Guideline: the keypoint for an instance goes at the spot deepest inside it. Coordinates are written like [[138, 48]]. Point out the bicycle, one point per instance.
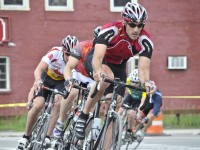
[[65, 142], [92, 132], [40, 128], [135, 138], [112, 119]]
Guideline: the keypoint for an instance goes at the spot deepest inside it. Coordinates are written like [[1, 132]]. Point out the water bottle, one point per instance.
[[76, 116], [96, 128]]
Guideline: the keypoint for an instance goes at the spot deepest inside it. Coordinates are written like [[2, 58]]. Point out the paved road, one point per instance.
[[174, 142]]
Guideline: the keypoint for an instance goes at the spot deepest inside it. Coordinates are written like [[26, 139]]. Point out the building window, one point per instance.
[[14, 5], [59, 5], [132, 64], [177, 62], [118, 5], [4, 74]]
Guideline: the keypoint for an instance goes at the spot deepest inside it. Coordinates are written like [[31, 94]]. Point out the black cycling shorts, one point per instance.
[[130, 101], [119, 71], [49, 82], [147, 106]]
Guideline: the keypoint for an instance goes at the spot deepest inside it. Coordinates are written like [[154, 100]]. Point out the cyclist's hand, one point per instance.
[[150, 87], [98, 76], [37, 85], [69, 83]]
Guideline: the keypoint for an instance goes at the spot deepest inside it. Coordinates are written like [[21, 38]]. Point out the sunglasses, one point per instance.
[[132, 25], [67, 53], [135, 82]]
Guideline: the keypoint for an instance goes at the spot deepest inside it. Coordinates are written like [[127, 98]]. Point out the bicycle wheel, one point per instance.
[[34, 133], [68, 133], [42, 131], [135, 139], [112, 135], [89, 140]]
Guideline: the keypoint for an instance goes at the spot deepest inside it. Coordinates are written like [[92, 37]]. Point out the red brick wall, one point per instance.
[[174, 26]]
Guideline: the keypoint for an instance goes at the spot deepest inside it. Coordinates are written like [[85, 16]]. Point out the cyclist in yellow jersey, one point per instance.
[[141, 105], [132, 99]]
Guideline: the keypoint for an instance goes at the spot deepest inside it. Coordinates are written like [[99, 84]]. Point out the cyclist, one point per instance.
[[115, 44], [50, 72], [134, 100], [151, 108], [74, 69]]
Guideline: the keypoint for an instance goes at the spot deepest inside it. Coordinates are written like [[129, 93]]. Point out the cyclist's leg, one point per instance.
[[32, 116], [65, 106], [81, 122], [31, 94], [54, 116], [33, 113]]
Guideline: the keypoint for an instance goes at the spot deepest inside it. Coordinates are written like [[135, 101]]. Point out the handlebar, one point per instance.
[[55, 91], [117, 81], [114, 81], [73, 85]]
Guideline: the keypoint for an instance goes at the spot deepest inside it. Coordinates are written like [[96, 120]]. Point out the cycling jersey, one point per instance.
[[55, 60], [119, 46], [80, 52], [136, 95]]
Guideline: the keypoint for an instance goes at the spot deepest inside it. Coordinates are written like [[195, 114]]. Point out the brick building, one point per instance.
[[28, 29]]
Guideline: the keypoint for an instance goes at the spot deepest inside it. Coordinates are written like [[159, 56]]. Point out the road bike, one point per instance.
[[112, 125], [41, 126]]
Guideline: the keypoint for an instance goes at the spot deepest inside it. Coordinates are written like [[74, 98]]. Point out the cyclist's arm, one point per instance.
[[71, 64], [144, 95], [144, 69], [39, 70], [98, 56]]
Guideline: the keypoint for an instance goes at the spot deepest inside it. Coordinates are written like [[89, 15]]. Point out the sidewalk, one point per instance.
[[182, 131], [165, 132]]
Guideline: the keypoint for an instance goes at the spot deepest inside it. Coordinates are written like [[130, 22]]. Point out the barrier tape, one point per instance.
[[170, 97], [13, 105], [176, 97]]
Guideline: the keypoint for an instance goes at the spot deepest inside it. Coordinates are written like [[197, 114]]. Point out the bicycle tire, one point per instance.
[[115, 122], [134, 142], [68, 138], [34, 133], [44, 125], [89, 141]]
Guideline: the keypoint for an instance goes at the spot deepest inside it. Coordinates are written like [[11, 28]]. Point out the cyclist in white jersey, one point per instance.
[[50, 72]]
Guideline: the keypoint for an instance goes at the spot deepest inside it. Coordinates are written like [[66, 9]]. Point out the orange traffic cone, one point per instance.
[[157, 126]]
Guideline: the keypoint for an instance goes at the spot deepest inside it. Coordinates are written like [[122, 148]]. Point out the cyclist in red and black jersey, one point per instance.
[[115, 44]]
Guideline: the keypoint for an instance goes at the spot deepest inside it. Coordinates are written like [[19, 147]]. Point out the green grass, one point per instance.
[[16, 123], [186, 121]]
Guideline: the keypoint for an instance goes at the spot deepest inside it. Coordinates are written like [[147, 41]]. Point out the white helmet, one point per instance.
[[134, 76], [134, 13], [69, 43]]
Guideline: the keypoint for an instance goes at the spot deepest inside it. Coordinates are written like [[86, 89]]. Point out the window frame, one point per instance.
[[117, 9], [69, 7], [7, 79], [131, 64], [24, 7], [177, 66]]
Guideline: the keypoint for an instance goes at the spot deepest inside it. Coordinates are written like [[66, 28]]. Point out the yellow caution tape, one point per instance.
[[13, 105], [170, 97], [191, 97]]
